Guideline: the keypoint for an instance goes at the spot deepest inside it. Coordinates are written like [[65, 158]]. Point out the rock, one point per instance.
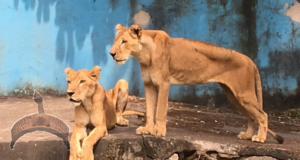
[[174, 157], [122, 143], [258, 158]]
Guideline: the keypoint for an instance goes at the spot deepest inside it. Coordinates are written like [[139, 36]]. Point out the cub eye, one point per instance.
[[68, 81], [123, 41], [82, 81]]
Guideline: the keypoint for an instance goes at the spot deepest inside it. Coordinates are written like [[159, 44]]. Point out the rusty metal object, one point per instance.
[[39, 122]]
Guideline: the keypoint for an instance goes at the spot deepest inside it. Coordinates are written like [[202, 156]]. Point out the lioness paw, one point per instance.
[[122, 122], [257, 138], [87, 153], [244, 135], [72, 156], [159, 131], [143, 130], [75, 152], [79, 154]]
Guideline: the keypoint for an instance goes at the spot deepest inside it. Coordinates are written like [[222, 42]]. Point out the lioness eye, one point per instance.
[[124, 41], [68, 81], [82, 81]]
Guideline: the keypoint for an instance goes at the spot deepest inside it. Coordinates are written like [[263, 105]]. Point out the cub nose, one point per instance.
[[70, 93], [112, 54]]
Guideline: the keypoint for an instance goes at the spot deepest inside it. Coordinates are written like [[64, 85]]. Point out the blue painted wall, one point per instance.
[[39, 39]]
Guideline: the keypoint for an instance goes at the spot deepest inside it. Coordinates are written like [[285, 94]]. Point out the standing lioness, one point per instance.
[[95, 106], [165, 61]]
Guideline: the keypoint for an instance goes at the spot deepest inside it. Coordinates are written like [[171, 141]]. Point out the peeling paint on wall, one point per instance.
[[142, 19], [163, 12], [294, 12]]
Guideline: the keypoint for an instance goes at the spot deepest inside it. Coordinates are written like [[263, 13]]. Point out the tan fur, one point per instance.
[[95, 106], [166, 61]]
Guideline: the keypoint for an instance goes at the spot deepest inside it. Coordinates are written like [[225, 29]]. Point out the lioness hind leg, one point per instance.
[[251, 122], [263, 128], [254, 111], [250, 130], [121, 92]]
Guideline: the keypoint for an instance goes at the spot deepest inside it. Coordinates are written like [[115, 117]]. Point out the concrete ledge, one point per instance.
[[35, 150], [123, 143], [194, 132]]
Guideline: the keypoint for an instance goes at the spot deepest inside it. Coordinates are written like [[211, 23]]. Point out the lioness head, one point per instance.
[[127, 42], [81, 83]]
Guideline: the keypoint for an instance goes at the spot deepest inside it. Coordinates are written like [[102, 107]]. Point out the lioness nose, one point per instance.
[[112, 54], [70, 93]]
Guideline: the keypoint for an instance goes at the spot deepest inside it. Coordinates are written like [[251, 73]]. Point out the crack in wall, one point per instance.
[[144, 144]]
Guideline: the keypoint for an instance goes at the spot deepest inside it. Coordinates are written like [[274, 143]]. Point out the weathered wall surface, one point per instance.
[[39, 39]]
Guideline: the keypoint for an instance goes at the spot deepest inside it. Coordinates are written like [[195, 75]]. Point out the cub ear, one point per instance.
[[119, 27], [95, 72], [69, 71], [136, 31]]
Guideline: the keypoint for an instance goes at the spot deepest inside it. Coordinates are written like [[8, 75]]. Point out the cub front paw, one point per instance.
[[159, 131], [259, 139], [144, 130]]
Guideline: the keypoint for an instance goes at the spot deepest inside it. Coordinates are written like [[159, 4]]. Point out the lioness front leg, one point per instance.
[[151, 100], [89, 142], [98, 119], [78, 134], [160, 127]]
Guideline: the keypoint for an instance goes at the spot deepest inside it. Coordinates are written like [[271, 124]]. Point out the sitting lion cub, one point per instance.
[[94, 106]]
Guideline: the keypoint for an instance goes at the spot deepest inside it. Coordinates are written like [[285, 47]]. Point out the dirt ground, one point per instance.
[[222, 122], [226, 121]]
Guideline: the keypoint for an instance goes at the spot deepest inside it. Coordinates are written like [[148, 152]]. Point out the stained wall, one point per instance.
[[39, 39]]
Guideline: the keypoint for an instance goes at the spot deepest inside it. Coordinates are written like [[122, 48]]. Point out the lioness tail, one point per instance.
[[278, 138], [132, 112], [258, 88]]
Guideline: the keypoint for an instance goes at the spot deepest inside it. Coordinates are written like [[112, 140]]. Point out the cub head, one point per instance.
[[127, 43], [82, 83]]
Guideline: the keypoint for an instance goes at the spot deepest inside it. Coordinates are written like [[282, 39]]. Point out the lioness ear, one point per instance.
[[95, 72], [136, 31], [119, 27], [69, 70]]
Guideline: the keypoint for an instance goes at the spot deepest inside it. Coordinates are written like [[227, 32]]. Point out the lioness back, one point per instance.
[[193, 60]]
